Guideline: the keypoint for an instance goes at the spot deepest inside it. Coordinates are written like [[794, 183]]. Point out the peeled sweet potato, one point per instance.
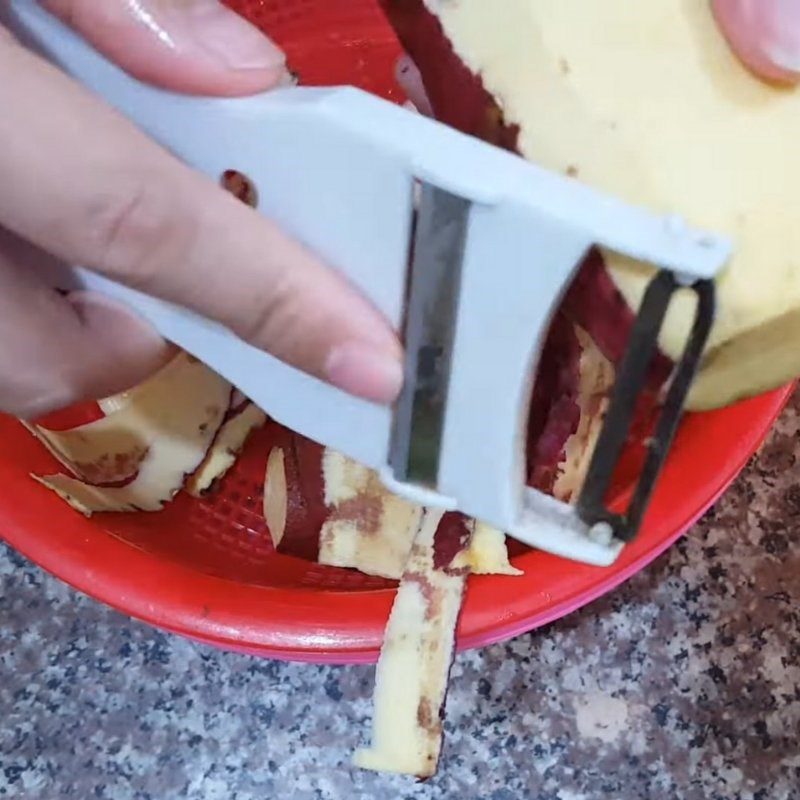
[[646, 101]]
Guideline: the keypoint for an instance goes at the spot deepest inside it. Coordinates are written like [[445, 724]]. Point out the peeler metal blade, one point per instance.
[[431, 310]]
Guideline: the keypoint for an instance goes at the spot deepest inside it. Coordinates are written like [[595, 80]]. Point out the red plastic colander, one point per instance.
[[206, 568]]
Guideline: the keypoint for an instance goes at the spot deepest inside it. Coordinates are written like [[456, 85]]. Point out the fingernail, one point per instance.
[[765, 34], [228, 38], [784, 48], [365, 371]]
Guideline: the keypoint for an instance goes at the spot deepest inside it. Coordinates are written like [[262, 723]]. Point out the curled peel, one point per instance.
[[294, 507], [359, 523], [368, 528], [487, 553], [276, 498], [362, 525], [417, 653], [227, 445], [170, 421], [595, 381], [100, 453]]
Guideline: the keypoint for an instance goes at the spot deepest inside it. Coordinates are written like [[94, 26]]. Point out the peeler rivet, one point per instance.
[[708, 241], [675, 225], [602, 533]]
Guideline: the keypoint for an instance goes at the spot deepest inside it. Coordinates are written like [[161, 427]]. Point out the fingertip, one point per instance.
[[764, 34], [366, 371], [197, 46]]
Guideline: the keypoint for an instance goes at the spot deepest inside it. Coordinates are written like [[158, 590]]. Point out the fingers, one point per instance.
[[58, 350], [82, 183], [195, 46], [765, 34]]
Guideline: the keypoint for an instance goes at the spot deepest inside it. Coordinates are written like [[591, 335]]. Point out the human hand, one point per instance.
[[83, 185], [765, 34]]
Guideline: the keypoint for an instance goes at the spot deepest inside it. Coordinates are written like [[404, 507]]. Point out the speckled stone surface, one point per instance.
[[684, 683]]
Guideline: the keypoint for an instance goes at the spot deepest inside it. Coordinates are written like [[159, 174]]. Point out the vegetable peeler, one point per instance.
[[465, 248]]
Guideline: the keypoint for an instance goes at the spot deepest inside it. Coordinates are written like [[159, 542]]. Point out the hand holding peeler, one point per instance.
[[465, 248]]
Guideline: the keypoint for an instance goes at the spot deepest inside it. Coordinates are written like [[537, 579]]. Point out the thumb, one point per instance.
[[61, 349], [193, 46], [765, 34]]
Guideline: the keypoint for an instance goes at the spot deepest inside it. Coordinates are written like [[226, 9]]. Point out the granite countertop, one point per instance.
[[683, 683]]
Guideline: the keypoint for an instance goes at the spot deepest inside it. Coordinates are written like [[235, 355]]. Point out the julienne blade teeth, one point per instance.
[[630, 382]]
